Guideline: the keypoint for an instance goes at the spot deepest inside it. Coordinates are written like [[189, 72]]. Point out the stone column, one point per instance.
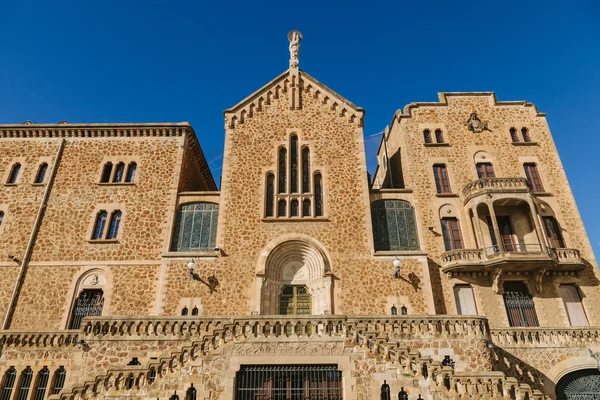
[[495, 226], [533, 215], [478, 233]]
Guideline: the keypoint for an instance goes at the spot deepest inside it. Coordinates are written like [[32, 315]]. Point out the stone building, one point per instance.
[[462, 270]]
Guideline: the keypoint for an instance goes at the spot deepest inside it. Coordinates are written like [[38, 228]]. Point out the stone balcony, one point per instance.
[[580, 337], [523, 257], [490, 186]]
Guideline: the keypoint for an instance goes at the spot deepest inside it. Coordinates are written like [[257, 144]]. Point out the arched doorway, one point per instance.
[[297, 280], [579, 385]]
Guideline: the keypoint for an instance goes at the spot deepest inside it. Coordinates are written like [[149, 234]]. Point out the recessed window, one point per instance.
[[8, 383], [119, 171], [439, 136], [1, 218], [519, 304], [270, 200], [59, 380], [99, 225], [131, 169], [427, 136], [573, 306], [442, 182], [14, 173], [25, 384], [115, 222], [42, 384], [465, 301], [41, 173], [89, 304], [318, 196], [533, 176], [451, 233], [526, 136], [106, 172], [514, 135], [553, 233], [485, 170], [394, 225], [196, 227]]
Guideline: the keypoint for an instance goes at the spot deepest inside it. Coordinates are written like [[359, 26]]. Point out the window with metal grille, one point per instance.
[[442, 182], [41, 173], [9, 382], [196, 227], [533, 176], [89, 303], [14, 173], [25, 384], [289, 382], [519, 304], [394, 225], [59, 380], [42, 384]]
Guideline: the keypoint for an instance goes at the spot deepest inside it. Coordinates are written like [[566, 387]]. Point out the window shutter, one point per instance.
[[465, 301], [573, 305]]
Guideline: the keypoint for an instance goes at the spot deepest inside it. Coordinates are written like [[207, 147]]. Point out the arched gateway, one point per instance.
[[296, 280], [579, 385]]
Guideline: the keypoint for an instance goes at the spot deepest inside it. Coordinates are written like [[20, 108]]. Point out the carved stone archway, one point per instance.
[[296, 262], [579, 385]]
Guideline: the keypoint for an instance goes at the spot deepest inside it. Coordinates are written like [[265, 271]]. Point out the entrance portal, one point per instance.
[[579, 385]]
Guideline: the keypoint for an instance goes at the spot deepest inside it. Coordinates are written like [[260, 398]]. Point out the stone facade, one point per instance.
[[198, 326]]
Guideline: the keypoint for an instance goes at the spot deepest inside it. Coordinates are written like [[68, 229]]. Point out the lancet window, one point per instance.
[[299, 191]]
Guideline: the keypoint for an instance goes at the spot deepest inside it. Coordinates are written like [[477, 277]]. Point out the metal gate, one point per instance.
[[289, 382], [519, 305], [579, 385], [89, 303]]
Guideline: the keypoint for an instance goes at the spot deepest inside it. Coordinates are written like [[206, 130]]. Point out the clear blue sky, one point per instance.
[[150, 61]]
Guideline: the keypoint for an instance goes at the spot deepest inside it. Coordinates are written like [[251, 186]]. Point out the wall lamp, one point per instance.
[[211, 282], [412, 278]]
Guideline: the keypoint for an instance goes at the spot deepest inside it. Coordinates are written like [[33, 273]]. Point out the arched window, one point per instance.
[[270, 200], [281, 187], [42, 384], [120, 170], [294, 208], [9, 382], [25, 384], [196, 227], [99, 225], [294, 164], [427, 136], [305, 170], [115, 222], [514, 135], [89, 303], [131, 168], [394, 225], [41, 173], [106, 172], [318, 196], [439, 136], [59, 380], [14, 173], [526, 136]]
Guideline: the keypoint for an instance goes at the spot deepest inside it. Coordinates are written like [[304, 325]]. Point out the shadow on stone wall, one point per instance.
[[435, 275]]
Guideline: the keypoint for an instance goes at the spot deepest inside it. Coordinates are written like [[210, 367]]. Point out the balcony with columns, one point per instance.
[[510, 232]]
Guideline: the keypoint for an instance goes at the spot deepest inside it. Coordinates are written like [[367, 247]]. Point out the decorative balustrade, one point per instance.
[[475, 256], [566, 256], [54, 339], [545, 337], [502, 185]]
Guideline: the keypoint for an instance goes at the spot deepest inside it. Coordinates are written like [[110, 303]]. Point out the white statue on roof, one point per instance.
[[294, 37]]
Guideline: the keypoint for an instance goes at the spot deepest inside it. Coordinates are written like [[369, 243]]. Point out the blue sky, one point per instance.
[[151, 61]]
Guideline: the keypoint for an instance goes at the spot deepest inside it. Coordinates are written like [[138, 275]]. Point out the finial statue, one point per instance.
[[595, 356], [294, 37]]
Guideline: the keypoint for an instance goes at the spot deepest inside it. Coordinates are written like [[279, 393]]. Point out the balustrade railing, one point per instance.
[[545, 337], [496, 184], [566, 256], [63, 339]]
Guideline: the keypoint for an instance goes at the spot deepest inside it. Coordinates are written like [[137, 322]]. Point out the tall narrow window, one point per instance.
[[533, 176], [519, 304], [281, 187], [294, 208], [573, 305], [394, 225], [9, 382], [113, 227], [318, 196], [465, 301], [485, 170], [427, 136], [25, 384], [305, 170], [59, 380], [14, 173], [99, 225], [506, 233], [451, 233], [152, 375], [526, 135], [514, 135], [120, 170], [306, 208], [439, 136], [131, 169], [1, 217], [106, 172], [553, 233], [269, 203], [89, 303], [442, 183], [42, 384], [196, 227], [281, 211], [41, 173], [294, 164]]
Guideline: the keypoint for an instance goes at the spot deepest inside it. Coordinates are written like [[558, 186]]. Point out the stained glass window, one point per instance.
[[196, 227], [394, 225], [269, 207], [318, 196], [305, 170], [294, 164], [281, 188]]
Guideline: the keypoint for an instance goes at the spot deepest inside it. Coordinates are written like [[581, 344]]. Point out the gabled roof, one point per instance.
[[283, 84]]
